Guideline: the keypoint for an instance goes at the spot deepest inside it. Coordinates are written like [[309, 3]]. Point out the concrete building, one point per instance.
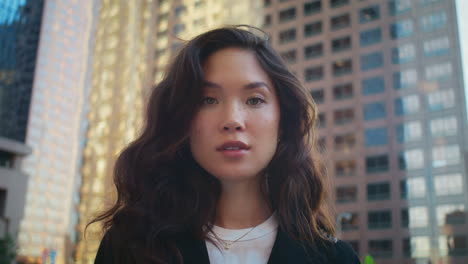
[[13, 185], [55, 132], [387, 78]]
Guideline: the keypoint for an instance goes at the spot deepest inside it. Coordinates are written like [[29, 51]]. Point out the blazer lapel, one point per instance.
[[193, 250], [286, 250]]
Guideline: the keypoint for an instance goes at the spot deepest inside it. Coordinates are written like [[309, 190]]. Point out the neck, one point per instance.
[[241, 205]]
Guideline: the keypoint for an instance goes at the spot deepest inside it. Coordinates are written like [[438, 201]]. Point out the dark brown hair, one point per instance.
[[162, 193]]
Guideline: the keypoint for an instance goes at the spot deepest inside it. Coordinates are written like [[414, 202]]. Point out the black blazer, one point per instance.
[[285, 250]]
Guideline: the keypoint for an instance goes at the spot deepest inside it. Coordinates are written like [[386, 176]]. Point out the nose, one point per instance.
[[233, 119]]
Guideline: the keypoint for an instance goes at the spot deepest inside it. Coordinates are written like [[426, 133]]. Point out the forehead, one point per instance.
[[234, 65]]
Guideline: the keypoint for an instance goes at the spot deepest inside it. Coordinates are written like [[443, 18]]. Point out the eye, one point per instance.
[[255, 101], [209, 101]]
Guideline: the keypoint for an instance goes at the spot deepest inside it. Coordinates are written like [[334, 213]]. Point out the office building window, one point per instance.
[[413, 188], [313, 51], [318, 96], [343, 116], [345, 142], [374, 111], [439, 72], [409, 132], [287, 15], [267, 21], [451, 214], [346, 194], [433, 21], [338, 3], [289, 56], [371, 61], [445, 155], [350, 224], [379, 219], [178, 28], [368, 14], [416, 247], [403, 190], [312, 7], [313, 73], [370, 37], [266, 3], [341, 44], [396, 7], [403, 54], [448, 184], [344, 168], [381, 248], [373, 85], [342, 67], [405, 79], [376, 136], [411, 159], [436, 47], [402, 29], [180, 10], [378, 191], [453, 245], [444, 126], [418, 217], [377, 163], [404, 218], [6, 159], [312, 29], [440, 100], [341, 21], [407, 105], [288, 35], [343, 91], [416, 187], [321, 120]]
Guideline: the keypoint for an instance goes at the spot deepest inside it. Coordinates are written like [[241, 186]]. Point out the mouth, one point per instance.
[[233, 145], [233, 149]]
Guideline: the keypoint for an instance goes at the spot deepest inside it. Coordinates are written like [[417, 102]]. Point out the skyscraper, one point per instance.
[[54, 130], [20, 23], [387, 78], [120, 71]]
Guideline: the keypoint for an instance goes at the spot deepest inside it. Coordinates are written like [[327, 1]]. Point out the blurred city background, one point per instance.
[[387, 75]]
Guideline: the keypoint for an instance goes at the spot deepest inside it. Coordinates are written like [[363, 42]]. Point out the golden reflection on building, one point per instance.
[[122, 53]]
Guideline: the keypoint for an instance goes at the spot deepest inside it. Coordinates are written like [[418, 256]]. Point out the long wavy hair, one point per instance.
[[163, 194]]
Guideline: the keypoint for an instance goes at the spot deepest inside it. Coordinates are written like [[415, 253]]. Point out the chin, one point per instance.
[[240, 176]]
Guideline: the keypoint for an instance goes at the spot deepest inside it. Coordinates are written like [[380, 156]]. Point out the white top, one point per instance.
[[254, 248]]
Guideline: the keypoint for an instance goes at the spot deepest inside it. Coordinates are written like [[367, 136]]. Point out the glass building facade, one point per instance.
[[20, 24], [55, 131]]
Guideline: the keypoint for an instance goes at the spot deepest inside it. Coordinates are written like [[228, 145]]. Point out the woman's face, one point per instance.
[[235, 132]]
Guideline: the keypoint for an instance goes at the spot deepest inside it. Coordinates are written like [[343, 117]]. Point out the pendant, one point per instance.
[[227, 246]]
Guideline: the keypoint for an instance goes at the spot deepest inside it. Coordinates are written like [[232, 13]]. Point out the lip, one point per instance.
[[241, 145], [243, 149]]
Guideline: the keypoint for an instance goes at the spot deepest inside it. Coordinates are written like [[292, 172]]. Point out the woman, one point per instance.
[[225, 169]]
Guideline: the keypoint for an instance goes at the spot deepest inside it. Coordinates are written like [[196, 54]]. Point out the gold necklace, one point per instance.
[[228, 243]]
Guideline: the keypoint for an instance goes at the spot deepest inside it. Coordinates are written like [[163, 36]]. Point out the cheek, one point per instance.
[[199, 129]]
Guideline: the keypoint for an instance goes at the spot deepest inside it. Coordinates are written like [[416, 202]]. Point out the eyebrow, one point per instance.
[[249, 86]]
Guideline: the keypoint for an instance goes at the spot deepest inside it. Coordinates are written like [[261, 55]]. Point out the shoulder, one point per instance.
[[110, 251], [344, 253]]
